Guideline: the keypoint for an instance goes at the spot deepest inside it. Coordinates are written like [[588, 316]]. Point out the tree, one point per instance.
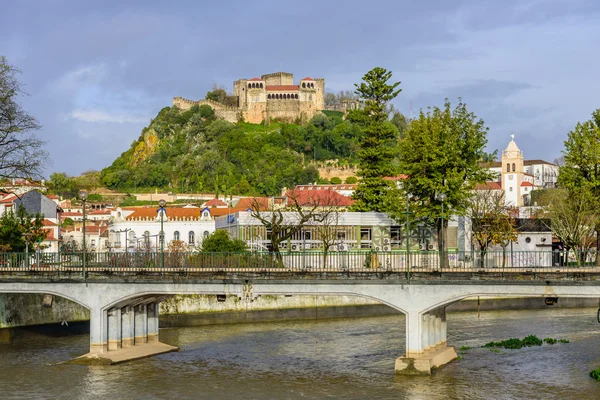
[[491, 222], [399, 121], [581, 166], [572, 217], [283, 223], [440, 154], [63, 185], [18, 228], [220, 242], [377, 149], [21, 152]]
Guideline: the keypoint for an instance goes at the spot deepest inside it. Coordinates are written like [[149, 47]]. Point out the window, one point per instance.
[[117, 239], [507, 167], [341, 235], [306, 235], [206, 234], [510, 189], [365, 238], [513, 167], [131, 238], [93, 242], [191, 238], [176, 235], [146, 238], [396, 235]]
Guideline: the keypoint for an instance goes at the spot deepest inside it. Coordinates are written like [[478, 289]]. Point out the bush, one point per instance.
[[351, 180], [550, 340], [595, 374], [515, 343], [219, 242], [335, 180]]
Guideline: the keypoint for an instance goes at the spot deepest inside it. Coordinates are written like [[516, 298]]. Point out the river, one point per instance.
[[343, 358]]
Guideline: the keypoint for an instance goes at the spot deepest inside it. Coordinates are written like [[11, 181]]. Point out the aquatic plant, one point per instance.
[[595, 373], [550, 340]]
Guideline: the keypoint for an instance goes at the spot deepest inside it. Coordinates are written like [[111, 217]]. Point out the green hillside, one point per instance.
[[195, 152]]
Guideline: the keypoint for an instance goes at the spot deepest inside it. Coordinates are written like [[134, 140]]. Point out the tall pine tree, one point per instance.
[[377, 146]]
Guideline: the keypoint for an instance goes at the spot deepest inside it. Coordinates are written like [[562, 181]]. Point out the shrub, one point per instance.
[[550, 340], [351, 180], [335, 180], [595, 374]]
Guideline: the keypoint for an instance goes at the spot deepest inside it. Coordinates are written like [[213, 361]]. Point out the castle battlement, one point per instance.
[[272, 96]]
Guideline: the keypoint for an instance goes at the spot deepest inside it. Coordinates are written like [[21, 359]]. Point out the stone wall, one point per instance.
[[29, 309]]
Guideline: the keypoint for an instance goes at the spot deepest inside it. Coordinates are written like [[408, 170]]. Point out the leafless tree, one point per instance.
[[287, 221], [491, 221], [21, 151]]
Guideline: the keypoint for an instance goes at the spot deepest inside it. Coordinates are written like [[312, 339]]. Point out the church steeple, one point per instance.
[[512, 173]]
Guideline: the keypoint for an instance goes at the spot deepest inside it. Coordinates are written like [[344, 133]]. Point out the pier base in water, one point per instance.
[[424, 363], [125, 354]]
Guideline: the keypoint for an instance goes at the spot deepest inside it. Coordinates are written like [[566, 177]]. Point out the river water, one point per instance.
[[343, 358]]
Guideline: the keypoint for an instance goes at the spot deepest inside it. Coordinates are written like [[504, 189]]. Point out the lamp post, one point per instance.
[[162, 211], [407, 234], [442, 198], [83, 195]]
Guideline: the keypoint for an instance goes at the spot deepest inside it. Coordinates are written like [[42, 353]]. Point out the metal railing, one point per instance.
[[346, 263]]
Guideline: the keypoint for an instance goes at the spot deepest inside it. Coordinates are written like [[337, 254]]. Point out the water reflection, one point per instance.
[[347, 358]]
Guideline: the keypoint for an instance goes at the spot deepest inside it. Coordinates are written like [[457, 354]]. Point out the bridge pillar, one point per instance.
[[152, 310], [141, 325], [98, 322], [127, 326], [425, 343], [114, 329]]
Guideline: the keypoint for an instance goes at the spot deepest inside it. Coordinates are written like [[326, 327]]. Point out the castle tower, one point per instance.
[[512, 173]]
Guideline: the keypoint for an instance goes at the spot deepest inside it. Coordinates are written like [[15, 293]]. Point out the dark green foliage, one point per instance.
[[465, 348], [377, 145], [335, 180], [563, 341], [515, 343], [351, 180], [219, 242], [16, 228], [550, 340], [595, 374], [67, 222], [191, 151]]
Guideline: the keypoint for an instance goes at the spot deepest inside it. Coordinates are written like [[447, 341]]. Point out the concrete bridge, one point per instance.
[[123, 301]]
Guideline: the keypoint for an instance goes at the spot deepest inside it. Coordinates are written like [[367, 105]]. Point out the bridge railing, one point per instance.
[[348, 262]]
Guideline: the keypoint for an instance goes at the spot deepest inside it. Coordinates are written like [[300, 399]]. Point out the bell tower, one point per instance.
[[512, 173]]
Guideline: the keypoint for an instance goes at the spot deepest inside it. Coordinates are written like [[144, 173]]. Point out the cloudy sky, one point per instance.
[[97, 72]]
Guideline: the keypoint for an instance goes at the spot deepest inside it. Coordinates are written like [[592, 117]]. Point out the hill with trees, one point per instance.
[[193, 151]]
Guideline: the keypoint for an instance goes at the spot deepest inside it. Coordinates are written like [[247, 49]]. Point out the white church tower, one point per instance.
[[512, 173]]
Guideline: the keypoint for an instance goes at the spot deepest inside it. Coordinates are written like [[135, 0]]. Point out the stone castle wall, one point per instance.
[[255, 106]]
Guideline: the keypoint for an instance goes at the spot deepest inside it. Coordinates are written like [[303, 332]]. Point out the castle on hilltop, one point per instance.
[[272, 96]]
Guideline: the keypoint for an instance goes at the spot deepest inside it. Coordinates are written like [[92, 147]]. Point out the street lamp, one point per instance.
[[83, 195], [407, 212], [162, 212], [442, 197]]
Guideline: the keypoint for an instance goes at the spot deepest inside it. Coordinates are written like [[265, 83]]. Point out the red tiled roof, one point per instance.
[[489, 186], [526, 184], [71, 214], [321, 198], [255, 79], [215, 203], [308, 78], [47, 222], [99, 212], [10, 198], [281, 87], [151, 212], [396, 178], [250, 202]]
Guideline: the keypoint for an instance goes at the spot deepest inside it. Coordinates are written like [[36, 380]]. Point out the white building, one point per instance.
[[518, 177], [140, 228]]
